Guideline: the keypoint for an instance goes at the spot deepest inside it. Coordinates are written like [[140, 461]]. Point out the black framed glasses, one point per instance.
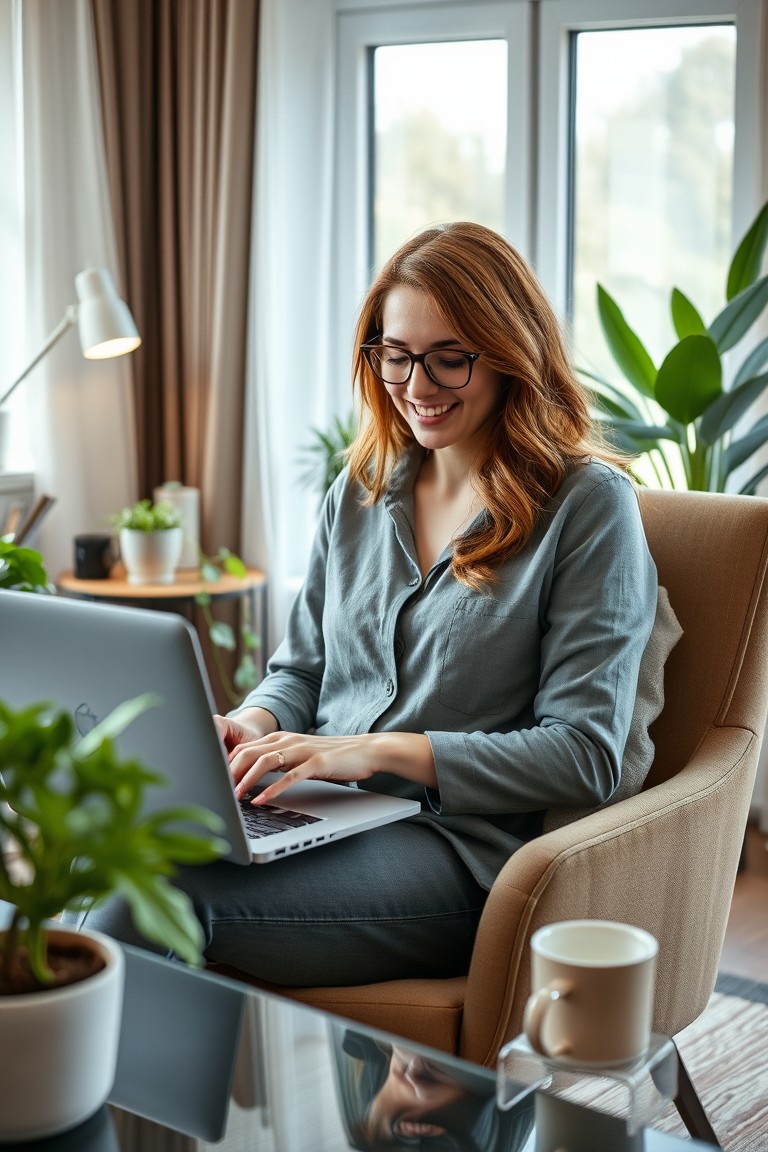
[[447, 367]]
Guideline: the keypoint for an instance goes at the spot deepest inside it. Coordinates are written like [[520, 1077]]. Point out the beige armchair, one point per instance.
[[665, 859]]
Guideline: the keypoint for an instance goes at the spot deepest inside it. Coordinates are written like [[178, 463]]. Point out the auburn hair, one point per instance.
[[486, 294]]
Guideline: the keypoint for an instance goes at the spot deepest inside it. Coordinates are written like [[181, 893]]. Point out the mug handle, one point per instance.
[[535, 1011]]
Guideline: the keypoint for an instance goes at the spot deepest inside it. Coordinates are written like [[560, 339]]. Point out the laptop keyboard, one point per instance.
[[268, 819]]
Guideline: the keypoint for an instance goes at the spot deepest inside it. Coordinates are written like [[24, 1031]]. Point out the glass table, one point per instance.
[[206, 1062]]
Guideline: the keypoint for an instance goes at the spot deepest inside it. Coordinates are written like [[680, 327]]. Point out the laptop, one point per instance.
[[88, 657]]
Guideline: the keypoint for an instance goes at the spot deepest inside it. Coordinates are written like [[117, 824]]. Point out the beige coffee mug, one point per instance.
[[592, 999]]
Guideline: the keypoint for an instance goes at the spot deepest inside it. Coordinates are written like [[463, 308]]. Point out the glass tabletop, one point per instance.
[[206, 1062]]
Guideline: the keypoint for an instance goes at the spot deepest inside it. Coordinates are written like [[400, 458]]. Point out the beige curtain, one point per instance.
[[178, 88]]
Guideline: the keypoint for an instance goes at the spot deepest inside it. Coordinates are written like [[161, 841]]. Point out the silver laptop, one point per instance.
[[89, 657]]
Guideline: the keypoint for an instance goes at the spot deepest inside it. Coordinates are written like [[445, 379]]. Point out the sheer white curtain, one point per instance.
[[11, 240], [291, 383], [80, 415]]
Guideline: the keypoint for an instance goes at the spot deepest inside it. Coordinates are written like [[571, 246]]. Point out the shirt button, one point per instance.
[[390, 687], [414, 580]]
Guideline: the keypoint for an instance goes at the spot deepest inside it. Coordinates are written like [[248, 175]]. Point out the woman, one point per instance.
[[469, 633], [393, 1097]]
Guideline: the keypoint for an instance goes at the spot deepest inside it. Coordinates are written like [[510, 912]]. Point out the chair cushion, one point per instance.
[[425, 1011], [649, 701]]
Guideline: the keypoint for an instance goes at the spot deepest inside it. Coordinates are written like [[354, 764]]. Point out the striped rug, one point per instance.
[[726, 1054]]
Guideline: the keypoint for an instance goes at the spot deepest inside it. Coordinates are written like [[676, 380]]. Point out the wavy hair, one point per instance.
[[486, 294]]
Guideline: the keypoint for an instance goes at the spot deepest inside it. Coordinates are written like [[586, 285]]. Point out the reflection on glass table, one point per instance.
[[207, 1063]]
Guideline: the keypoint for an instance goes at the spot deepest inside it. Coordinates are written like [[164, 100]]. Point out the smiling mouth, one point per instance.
[[431, 410]]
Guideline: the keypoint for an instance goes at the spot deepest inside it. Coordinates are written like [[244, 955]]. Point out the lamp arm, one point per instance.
[[68, 319]]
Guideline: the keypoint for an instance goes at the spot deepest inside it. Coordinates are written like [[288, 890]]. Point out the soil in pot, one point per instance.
[[70, 963]]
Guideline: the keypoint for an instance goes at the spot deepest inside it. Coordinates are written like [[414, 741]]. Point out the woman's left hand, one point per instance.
[[339, 758]]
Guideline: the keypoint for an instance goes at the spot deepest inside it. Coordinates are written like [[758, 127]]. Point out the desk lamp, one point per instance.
[[105, 324]]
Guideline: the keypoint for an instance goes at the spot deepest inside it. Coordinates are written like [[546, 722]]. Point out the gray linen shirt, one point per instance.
[[525, 690]]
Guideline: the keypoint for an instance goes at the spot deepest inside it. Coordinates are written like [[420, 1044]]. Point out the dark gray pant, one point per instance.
[[386, 904]]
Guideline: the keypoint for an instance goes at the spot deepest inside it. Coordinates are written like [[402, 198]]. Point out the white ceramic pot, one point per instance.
[[58, 1049], [151, 557]]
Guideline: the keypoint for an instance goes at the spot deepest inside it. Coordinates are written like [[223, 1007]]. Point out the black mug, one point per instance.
[[94, 557]]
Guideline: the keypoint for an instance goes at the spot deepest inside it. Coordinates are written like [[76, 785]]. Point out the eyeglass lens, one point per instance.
[[446, 367]]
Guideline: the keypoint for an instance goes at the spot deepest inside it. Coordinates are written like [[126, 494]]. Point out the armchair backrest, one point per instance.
[[711, 553]]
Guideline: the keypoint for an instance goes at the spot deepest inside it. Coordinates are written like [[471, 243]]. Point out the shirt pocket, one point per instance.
[[491, 659]]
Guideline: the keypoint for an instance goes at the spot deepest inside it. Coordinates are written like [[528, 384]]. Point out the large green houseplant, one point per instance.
[[680, 415], [75, 831]]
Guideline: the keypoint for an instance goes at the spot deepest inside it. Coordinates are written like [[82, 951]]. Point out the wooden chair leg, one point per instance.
[[690, 1107]]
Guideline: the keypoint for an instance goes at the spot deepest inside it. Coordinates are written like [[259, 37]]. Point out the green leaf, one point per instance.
[[20, 567], [751, 484], [164, 915], [621, 441], [222, 635], [250, 638], [685, 316], [756, 360], [626, 347], [748, 259], [737, 317], [234, 566], [209, 572], [612, 396], [742, 449], [689, 379], [721, 416], [640, 431], [246, 674]]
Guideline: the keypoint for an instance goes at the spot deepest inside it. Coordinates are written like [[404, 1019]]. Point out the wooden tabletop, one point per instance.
[[186, 585]]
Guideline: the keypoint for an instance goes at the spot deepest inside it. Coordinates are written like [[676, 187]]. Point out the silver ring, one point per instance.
[[280, 761]]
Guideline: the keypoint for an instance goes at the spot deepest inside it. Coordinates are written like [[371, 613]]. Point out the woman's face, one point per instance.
[[419, 1101], [438, 417]]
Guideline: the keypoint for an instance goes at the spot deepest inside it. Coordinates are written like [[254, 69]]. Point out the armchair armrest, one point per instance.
[[651, 860]]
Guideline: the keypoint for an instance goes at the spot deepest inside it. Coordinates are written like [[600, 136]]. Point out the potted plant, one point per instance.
[[22, 568], [679, 416], [151, 540], [72, 811], [326, 455]]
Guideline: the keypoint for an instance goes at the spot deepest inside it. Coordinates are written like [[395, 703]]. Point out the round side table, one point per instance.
[[178, 596]]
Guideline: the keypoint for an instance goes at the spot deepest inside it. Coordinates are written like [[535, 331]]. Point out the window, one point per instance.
[[411, 152], [439, 137], [652, 156], [606, 138]]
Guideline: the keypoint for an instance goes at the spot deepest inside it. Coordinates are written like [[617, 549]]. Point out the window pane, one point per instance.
[[653, 166], [440, 127]]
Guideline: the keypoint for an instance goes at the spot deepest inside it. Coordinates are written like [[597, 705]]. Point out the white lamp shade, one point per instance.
[[105, 323]]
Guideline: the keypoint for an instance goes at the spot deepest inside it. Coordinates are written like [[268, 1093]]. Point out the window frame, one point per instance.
[[538, 35], [558, 20]]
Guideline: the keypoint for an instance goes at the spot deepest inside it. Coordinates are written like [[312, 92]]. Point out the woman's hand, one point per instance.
[[249, 724], [339, 758]]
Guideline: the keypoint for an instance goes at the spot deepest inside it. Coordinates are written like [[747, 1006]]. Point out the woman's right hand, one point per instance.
[[250, 724]]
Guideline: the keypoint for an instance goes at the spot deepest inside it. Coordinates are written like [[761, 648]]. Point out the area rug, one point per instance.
[[726, 1054]]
